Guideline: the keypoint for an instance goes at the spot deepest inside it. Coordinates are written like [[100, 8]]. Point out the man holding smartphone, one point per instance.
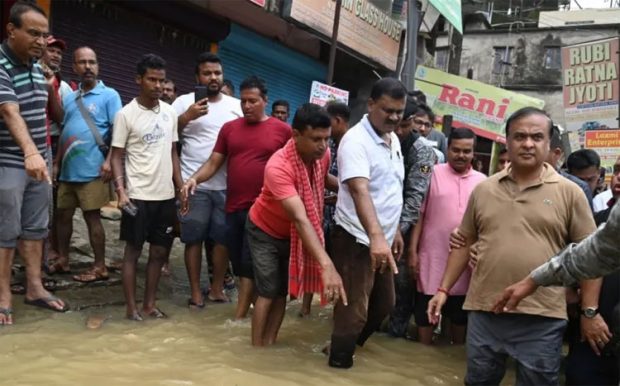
[[201, 116]]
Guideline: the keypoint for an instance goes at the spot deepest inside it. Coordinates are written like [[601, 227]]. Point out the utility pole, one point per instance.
[[334, 46], [413, 24]]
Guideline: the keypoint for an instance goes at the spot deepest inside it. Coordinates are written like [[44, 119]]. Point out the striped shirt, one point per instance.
[[25, 85]]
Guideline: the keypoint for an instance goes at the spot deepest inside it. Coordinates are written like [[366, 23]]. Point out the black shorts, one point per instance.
[[453, 309], [237, 243], [270, 258], [153, 223]]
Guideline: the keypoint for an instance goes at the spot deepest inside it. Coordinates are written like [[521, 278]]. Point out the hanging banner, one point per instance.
[[479, 106], [591, 92], [322, 93]]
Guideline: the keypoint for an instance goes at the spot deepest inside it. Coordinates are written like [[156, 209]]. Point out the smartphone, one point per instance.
[[200, 92], [131, 209]]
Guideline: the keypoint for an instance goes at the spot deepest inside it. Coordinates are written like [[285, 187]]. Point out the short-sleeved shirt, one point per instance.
[[147, 136], [62, 89], [25, 85], [362, 153], [267, 212], [198, 136], [442, 211], [516, 231], [81, 157], [248, 147]]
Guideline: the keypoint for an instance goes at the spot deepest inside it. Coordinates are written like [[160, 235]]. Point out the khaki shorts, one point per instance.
[[87, 196]]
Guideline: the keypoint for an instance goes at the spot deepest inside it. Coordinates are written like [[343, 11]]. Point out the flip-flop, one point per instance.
[[157, 314], [8, 312], [18, 289], [193, 304], [57, 269], [213, 300], [92, 275], [135, 317], [45, 303]]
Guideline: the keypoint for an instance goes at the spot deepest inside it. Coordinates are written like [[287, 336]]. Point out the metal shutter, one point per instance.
[[288, 74], [119, 38]]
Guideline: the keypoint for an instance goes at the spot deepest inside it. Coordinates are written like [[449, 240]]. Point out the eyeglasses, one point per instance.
[[420, 122], [36, 34]]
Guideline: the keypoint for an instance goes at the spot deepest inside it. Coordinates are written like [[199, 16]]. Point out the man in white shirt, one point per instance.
[[366, 240], [145, 136], [199, 123]]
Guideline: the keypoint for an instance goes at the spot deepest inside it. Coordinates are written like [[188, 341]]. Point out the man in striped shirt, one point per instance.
[[24, 192]]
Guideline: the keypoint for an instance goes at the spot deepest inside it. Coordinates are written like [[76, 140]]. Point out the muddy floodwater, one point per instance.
[[197, 347]]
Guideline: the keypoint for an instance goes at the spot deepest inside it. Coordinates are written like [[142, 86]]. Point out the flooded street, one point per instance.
[[197, 347]]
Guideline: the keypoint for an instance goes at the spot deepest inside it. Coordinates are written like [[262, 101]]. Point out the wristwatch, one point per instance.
[[589, 312]]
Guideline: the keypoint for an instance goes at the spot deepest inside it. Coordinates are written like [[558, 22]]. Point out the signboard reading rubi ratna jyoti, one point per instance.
[[591, 96], [478, 106], [363, 28]]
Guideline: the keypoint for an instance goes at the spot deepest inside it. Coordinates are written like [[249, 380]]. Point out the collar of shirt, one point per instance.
[[373, 134], [547, 176], [98, 89], [11, 57]]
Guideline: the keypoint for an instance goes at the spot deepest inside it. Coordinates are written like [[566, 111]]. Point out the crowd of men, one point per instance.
[[387, 220]]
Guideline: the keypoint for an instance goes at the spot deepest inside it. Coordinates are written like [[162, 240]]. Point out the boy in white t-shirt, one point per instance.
[[145, 134]]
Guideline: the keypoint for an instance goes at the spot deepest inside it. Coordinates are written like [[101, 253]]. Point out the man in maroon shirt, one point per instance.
[[245, 145]]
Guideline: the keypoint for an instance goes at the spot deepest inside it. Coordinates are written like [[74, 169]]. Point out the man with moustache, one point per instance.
[[366, 240], [450, 187], [200, 122], [84, 165], [545, 211], [244, 145], [169, 92], [26, 184]]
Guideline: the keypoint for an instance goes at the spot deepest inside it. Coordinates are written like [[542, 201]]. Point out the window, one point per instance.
[[502, 60], [441, 58], [553, 58]]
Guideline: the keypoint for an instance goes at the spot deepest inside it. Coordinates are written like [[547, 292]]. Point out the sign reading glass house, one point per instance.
[[363, 27]]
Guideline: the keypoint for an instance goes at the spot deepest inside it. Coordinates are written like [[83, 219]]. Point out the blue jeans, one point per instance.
[[535, 342]]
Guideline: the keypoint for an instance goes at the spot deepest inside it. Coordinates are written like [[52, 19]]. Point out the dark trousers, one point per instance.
[[370, 295]]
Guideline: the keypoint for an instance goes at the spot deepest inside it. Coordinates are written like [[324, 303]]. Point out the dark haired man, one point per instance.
[[419, 157], [25, 188], [200, 123], [145, 135], [280, 109], [286, 220], [556, 158], [446, 201], [339, 115], [423, 119], [366, 240], [84, 169], [545, 211], [585, 164], [228, 88], [502, 160], [244, 145], [169, 92]]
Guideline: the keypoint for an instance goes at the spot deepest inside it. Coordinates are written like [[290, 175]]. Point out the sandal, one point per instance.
[[55, 267], [8, 313], [18, 289], [92, 275], [157, 314]]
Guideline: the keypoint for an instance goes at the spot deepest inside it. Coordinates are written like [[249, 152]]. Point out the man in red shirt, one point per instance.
[[245, 145], [287, 214]]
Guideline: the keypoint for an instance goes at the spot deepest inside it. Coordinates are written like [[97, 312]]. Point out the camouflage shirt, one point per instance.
[[596, 256], [419, 159]]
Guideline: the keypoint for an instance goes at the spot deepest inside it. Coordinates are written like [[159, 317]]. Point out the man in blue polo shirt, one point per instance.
[[84, 165], [25, 188]]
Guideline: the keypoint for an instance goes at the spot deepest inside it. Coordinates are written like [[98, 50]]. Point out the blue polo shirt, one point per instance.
[[81, 157], [25, 85]]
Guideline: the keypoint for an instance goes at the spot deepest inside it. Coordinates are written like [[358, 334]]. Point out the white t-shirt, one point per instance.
[[147, 137], [362, 153], [198, 136]]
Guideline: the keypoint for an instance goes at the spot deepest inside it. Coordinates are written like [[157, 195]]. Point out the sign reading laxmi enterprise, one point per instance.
[[363, 28], [322, 93], [478, 106], [591, 93]]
